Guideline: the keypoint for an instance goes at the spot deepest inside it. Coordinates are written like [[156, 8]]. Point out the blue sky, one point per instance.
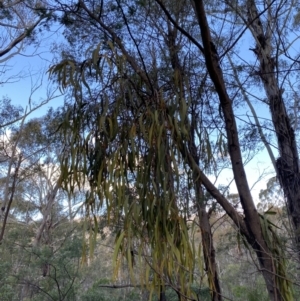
[[28, 68], [23, 73]]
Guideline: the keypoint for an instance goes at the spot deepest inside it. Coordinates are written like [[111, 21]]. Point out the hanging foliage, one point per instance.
[[121, 145]]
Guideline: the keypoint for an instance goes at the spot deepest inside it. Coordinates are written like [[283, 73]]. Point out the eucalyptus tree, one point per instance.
[[40, 176], [166, 69], [24, 144], [37, 238], [17, 156], [19, 23], [148, 98], [274, 37]]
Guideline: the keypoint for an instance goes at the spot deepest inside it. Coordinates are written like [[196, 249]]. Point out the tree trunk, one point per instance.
[[255, 235], [206, 235], [209, 254], [162, 295], [207, 240], [208, 248], [10, 199], [288, 163]]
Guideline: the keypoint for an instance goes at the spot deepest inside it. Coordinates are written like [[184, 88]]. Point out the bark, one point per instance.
[[13, 190], [287, 165], [252, 219], [208, 249], [21, 37], [162, 295], [209, 254], [205, 228], [249, 225], [207, 245]]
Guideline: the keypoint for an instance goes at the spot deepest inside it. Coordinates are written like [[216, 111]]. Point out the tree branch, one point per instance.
[[13, 188], [20, 38]]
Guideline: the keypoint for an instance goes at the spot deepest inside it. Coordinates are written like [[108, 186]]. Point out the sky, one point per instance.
[[23, 79], [28, 68]]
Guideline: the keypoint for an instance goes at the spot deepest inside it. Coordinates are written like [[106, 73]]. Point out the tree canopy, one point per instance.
[[160, 98]]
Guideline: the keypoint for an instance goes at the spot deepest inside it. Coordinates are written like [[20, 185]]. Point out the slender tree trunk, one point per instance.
[[252, 220], [207, 239], [209, 254], [208, 247], [10, 200], [162, 295], [249, 224], [288, 163], [206, 234]]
